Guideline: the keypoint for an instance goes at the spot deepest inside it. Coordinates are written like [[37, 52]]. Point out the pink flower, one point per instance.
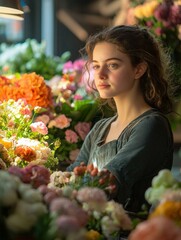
[[95, 198], [79, 65], [77, 97], [157, 228], [64, 206], [60, 122], [71, 136], [39, 127], [43, 118], [34, 175], [82, 128], [158, 31], [67, 224], [26, 111], [73, 154], [68, 67]]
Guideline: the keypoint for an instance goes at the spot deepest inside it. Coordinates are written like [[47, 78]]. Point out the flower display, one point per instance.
[[161, 228], [163, 19], [73, 112], [43, 212], [31, 87], [26, 205], [84, 176], [161, 183], [22, 141], [164, 218]]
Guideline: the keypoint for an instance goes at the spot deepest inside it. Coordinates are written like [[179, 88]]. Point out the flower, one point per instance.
[[22, 141], [163, 19], [25, 202], [39, 127], [74, 109], [161, 228], [31, 87], [85, 176]]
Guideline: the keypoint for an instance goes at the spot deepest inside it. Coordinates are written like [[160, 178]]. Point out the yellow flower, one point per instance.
[[7, 143], [145, 10], [92, 235], [170, 209]]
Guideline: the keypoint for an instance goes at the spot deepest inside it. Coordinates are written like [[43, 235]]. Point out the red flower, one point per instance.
[[25, 153]]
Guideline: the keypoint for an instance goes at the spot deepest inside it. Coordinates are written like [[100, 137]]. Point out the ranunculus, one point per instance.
[[94, 197], [60, 122], [43, 118], [25, 152], [158, 228], [71, 136], [39, 127], [82, 128]]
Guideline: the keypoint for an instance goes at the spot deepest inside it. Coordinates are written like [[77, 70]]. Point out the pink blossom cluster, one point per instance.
[[160, 228], [61, 122], [70, 66], [168, 13], [35, 175]]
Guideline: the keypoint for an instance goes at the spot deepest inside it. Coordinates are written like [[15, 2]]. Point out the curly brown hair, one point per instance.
[[141, 46]]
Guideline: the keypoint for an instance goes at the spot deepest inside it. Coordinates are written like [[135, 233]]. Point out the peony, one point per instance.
[[158, 228], [25, 152], [71, 136], [60, 122], [94, 198], [64, 206], [39, 127], [82, 128], [43, 118]]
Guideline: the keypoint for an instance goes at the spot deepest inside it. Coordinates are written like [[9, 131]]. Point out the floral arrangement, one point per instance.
[[73, 112], [31, 87], [163, 18], [22, 141], [164, 220], [84, 176], [61, 213]]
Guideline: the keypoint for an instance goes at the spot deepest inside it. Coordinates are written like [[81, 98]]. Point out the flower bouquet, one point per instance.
[[73, 113], [61, 212], [163, 19], [23, 142], [165, 215]]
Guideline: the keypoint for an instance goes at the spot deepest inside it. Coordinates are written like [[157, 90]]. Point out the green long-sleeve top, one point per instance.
[[143, 148]]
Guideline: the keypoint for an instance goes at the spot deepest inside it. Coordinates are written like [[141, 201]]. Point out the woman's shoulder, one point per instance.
[[153, 120]]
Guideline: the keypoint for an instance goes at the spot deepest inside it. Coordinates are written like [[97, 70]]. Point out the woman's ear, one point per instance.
[[140, 69]]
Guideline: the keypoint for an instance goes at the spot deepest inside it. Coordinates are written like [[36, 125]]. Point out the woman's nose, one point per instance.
[[102, 73]]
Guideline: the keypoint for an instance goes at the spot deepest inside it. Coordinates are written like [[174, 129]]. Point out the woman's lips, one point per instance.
[[103, 86]]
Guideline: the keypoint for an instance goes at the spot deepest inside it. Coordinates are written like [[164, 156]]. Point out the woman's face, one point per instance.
[[114, 74]]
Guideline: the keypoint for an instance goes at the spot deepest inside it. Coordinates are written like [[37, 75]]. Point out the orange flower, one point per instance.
[[26, 153], [31, 87], [170, 209]]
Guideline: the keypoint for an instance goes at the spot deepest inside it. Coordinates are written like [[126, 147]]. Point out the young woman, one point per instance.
[[136, 143]]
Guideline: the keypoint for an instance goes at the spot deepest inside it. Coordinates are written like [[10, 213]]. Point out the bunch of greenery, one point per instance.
[[30, 56]]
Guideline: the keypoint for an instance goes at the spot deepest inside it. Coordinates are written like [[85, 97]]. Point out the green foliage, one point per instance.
[[30, 56]]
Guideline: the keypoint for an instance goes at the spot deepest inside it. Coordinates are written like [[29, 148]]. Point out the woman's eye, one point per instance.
[[112, 66], [95, 67]]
